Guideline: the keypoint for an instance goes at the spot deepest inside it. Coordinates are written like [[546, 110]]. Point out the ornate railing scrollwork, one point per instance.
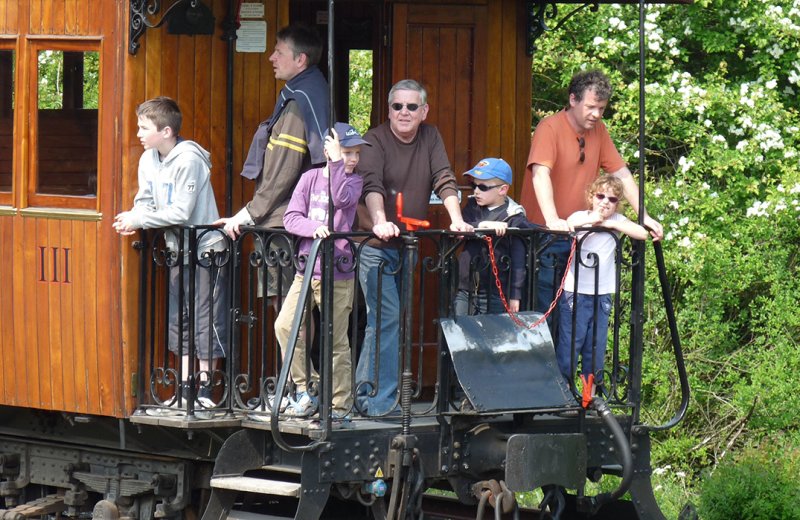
[[539, 11], [141, 12]]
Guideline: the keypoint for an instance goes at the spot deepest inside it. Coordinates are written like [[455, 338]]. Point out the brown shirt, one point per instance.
[[414, 169]]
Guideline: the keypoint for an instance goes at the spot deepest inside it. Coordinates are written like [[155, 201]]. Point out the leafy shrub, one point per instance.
[[761, 484], [722, 150], [722, 162]]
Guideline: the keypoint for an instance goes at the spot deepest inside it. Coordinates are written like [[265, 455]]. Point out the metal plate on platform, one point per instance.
[[503, 366], [535, 460]]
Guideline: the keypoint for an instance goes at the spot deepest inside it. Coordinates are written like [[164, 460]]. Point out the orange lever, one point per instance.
[[588, 390], [411, 223]]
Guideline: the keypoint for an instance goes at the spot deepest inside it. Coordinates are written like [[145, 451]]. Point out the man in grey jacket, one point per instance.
[[175, 190]]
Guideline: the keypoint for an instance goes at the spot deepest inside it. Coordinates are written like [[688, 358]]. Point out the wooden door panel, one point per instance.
[[56, 339], [7, 325], [442, 48]]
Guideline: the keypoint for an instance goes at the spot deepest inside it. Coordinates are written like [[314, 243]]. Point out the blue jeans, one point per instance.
[[552, 261], [387, 335], [482, 303], [586, 328]]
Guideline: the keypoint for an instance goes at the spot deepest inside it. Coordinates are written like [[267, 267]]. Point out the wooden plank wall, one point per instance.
[[192, 70], [62, 356], [445, 52], [484, 115], [8, 370], [60, 320], [471, 60], [9, 12]]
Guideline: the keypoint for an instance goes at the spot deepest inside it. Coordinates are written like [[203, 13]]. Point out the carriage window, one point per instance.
[[67, 102], [6, 118], [360, 80]]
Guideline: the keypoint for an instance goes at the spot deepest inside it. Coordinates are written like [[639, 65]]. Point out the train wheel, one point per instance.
[[105, 510]]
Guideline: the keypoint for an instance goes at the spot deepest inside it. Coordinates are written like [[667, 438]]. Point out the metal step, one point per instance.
[[244, 515], [257, 485]]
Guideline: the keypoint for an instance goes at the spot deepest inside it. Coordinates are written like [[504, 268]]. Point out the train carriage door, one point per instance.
[[444, 47]]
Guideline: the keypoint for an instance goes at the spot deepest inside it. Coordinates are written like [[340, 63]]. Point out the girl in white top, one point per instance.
[[596, 280]]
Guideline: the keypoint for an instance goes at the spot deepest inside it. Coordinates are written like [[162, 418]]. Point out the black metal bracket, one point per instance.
[[141, 12], [540, 11]]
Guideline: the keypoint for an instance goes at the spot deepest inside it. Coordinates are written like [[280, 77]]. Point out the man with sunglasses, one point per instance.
[[407, 156], [568, 150], [490, 207]]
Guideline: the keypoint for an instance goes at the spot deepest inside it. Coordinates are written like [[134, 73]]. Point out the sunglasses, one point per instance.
[[484, 187], [612, 199], [397, 107], [581, 146]]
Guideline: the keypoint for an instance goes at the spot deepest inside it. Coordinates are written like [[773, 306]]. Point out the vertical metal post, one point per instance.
[[410, 251], [637, 283], [142, 246], [230, 27], [327, 282]]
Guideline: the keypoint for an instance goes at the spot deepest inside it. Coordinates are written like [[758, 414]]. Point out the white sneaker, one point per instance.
[[205, 403], [167, 410], [284, 403], [304, 406]]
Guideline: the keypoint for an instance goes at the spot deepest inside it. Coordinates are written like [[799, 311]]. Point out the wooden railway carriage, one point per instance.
[[82, 313]]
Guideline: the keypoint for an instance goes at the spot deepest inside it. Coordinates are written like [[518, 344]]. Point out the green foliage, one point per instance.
[[721, 156], [760, 485], [51, 79], [360, 89], [51, 82]]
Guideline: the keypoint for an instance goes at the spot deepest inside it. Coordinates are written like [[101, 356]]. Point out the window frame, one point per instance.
[[33, 198], [7, 197]]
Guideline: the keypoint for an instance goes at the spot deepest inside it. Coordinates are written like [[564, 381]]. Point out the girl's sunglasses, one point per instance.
[[612, 199]]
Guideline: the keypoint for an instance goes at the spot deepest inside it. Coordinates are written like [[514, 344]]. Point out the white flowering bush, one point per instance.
[[723, 172]]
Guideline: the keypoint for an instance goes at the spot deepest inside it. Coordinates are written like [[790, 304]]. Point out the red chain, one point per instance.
[[499, 285]]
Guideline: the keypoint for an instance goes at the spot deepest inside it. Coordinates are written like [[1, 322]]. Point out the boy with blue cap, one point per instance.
[[307, 217], [490, 207]]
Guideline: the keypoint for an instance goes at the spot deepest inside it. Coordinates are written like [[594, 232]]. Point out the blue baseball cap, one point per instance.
[[349, 136], [491, 168]]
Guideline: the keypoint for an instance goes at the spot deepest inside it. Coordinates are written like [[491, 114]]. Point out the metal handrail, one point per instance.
[[680, 413], [280, 387]]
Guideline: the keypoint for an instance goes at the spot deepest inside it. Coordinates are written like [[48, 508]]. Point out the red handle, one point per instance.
[[411, 223], [588, 390]]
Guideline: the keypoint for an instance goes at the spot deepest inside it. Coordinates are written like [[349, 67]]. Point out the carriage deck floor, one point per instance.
[[290, 425]]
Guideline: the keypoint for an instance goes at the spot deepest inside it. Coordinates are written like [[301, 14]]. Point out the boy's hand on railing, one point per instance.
[[123, 225], [498, 227], [322, 232]]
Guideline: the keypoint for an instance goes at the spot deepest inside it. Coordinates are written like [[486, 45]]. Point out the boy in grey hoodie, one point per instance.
[[175, 190]]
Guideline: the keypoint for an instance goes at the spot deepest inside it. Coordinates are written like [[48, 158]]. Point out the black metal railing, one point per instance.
[[259, 267]]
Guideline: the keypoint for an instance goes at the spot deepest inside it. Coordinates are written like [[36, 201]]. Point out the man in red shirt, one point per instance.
[[568, 150]]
